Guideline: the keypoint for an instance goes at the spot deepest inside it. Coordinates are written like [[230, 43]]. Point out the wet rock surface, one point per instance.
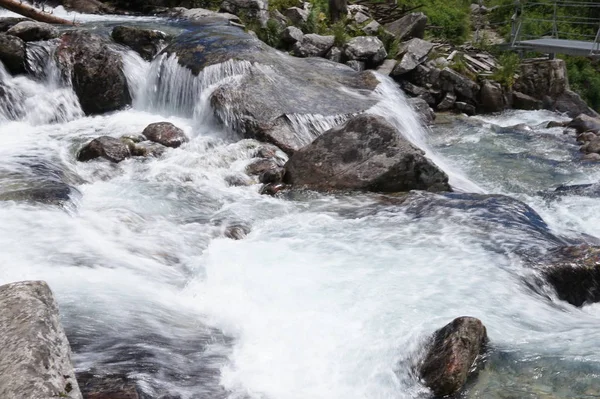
[[107, 387], [146, 42], [165, 133], [113, 149], [35, 357], [12, 54], [365, 153], [95, 71], [30, 31], [451, 354]]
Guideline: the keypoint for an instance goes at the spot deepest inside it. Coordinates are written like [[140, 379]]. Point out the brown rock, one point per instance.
[[113, 149], [107, 387], [165, 133], [451, 355]]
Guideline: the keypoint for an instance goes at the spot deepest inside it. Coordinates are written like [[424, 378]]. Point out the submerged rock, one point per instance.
[[45, 192], [96, 72], [574, 273], [12, 54], [451, 355], [107, 387], [165, 133], [365, 153], [113, 149], [145, 42], [31, 31], [35, 357]]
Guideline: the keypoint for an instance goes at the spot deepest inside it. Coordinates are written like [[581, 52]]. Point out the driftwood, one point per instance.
[[30, 12]]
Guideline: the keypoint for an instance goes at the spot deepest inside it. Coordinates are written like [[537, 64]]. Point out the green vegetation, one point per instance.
[[584, 78], [449, 19], [340, 35], [270, 34], [283, 5], [509, 67]]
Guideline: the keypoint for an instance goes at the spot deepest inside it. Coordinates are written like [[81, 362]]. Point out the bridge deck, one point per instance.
[[561, 46]]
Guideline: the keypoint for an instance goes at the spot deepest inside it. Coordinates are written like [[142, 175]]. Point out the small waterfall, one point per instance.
[[393, 106], [45, 97], [309, 127]]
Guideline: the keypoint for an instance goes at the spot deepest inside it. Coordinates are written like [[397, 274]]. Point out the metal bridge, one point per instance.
[[564, 32]]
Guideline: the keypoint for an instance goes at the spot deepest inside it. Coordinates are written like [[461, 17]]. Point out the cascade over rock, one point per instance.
[[277, 91], [365, 153]]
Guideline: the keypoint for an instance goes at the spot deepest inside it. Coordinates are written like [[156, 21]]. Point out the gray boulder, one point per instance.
[[113, 149], [423, 109], [584, 123], [9, 22], [335, 54], [371, 28], [409, 26], [313, 45], [254, 10], [447, 102], [465, 108], [291, 35], [461, 85], [297, 16], [523, 101], [367, 49], [30, 31], [35, 357], [451, 355], [358, 66], [414, 53], [360, 18], [572, 104], [386, 67], [12, 54], [146, 42], [96, 72], [165, 133], [491, 97], [541, 78], [365, 153]]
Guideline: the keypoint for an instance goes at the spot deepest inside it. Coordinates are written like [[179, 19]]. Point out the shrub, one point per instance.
[[509, 67], [339, 34], [449, 20], [584, 78]]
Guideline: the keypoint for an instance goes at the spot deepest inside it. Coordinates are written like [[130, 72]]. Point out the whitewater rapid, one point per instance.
[[329, 296]]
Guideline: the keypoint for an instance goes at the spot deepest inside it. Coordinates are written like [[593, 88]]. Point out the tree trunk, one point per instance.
[[337, 9], [33, 13]]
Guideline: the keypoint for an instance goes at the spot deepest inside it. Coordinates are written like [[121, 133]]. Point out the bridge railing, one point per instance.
[[558, 19]]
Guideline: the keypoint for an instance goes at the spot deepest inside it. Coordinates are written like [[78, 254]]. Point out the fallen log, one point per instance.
[[30, 12]]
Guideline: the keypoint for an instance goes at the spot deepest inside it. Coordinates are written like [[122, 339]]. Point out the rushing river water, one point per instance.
[[329, 296]]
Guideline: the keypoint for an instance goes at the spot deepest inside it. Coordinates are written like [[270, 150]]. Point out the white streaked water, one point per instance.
[[329, 296]]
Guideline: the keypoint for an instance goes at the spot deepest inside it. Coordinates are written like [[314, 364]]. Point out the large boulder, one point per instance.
[[365, 153], [277, 98], [451, 355], [107, 387], [540, 78], [146, 42], [526, 102], [12, 54], [572, 104], [574, 273], [9, 22], [414, 52], [313, 45], [409, 26], [31, 31], [584, 123], [253, 10], [491, 97], [291, 35], [113, 149], [35, 357], [297, 16], [165, 133], [367, 49], [96, 72], [462, 86]]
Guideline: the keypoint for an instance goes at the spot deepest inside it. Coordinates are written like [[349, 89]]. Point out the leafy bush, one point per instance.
[[339, 34], [584, 78], [270, 34], [449, 20], [509, 67]]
